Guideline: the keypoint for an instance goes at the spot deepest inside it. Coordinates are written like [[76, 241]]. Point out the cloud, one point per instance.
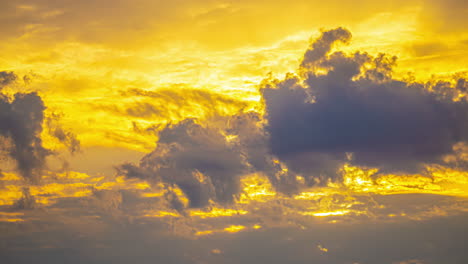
[[197, 159], [323, 45], [350, 106], [341, 108], [252, 142], [78, 239], [6, 78], [20, 126], [178, 102], [206, 161], [64, 136]]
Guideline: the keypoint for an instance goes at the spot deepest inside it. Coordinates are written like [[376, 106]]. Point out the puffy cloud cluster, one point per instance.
[[339, 108], [204, 161], [207, 160], [22, 117], [349, 107]]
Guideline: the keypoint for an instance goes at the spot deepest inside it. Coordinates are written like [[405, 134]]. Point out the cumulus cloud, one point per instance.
[[323, 45], [21, 124], [21, 120], [356, 109], [197, 159], [207, 161]]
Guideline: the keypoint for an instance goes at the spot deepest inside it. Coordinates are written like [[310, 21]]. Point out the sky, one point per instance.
[[225, 132]]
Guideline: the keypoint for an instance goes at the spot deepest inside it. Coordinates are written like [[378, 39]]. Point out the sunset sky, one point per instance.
[[229, 132]]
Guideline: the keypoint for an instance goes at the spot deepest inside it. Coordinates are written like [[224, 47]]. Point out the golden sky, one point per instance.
[[233, 123]]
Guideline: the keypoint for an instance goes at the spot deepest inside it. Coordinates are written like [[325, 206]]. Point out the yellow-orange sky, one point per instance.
[[82, 56], [113, 74]]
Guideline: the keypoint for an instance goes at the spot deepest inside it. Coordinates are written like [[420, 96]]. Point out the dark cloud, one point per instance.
[[7, 78], [357, 107], [20, 127], [323, 45], [207, 161], [252, 142]]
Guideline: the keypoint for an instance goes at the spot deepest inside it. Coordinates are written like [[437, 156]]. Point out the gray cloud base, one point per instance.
[[20, 127]]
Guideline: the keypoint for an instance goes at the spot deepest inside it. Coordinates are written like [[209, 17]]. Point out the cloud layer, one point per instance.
[[241, 184], [339, 108]]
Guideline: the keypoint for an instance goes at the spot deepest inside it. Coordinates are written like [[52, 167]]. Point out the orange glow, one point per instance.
[[11, 217], [256, 188], [115, 88], [321, 214], [9, 194], [439, 180], [229, 132], [234, 228], [159, 214], [217, 212], [230, 229]]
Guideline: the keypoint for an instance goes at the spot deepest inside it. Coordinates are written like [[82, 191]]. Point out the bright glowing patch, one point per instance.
[[256, 188], [217, 212]]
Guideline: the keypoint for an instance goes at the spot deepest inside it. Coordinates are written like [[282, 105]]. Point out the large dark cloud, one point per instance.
[[21, 120], [357, 107], [197, 159], [322, 46], [207, 161]]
